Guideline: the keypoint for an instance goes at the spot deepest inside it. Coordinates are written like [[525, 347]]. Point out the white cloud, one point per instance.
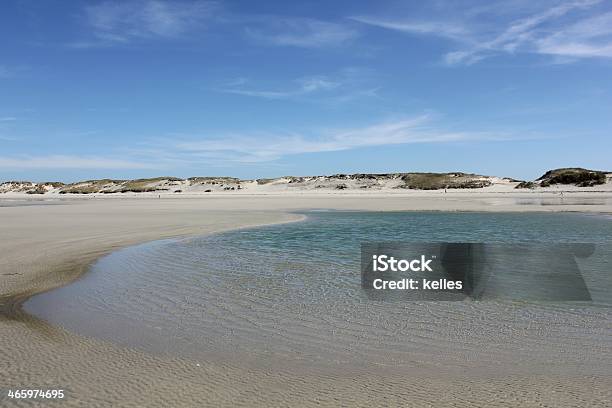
[[249, 148], [7, 119], [441, 29], [301, 32], [302, 87], [115, 22], [466, 57], [264, 147], [560, 29], [522, 34], [119, 22], [591, 37], [344, 86], [68, 162]]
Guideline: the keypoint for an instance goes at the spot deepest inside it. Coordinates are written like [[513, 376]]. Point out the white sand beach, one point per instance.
[[49, 243]]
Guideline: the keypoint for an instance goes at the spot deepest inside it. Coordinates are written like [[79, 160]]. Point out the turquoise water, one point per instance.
[[291, 293]]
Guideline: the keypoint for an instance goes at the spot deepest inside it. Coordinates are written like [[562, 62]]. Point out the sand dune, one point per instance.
[[569, 179]]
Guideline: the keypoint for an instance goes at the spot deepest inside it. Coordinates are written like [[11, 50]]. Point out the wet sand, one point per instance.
[[45, 246]]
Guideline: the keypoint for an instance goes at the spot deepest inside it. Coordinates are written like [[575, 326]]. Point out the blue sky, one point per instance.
[[142, 88]]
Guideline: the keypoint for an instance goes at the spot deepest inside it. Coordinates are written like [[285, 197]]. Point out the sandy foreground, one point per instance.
[[47, 244]]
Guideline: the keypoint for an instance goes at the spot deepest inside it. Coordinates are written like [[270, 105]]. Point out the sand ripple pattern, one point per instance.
[[289, 296]]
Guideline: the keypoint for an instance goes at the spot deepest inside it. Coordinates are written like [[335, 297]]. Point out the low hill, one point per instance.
[[571, 176], [553, 179], [361, 181]]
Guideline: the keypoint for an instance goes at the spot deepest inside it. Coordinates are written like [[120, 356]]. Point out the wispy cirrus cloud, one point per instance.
[[266, 146], [442, 29], [121, 22], [347, 85], [300, 32], [27, 162], [301, 87], [235, 149], [561, 28], [590, 37]]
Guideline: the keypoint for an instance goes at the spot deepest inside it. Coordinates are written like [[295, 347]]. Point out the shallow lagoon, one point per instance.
[[290, 295]]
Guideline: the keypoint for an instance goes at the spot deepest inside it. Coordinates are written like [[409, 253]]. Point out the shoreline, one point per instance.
[[11, 301], [46, 246]]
